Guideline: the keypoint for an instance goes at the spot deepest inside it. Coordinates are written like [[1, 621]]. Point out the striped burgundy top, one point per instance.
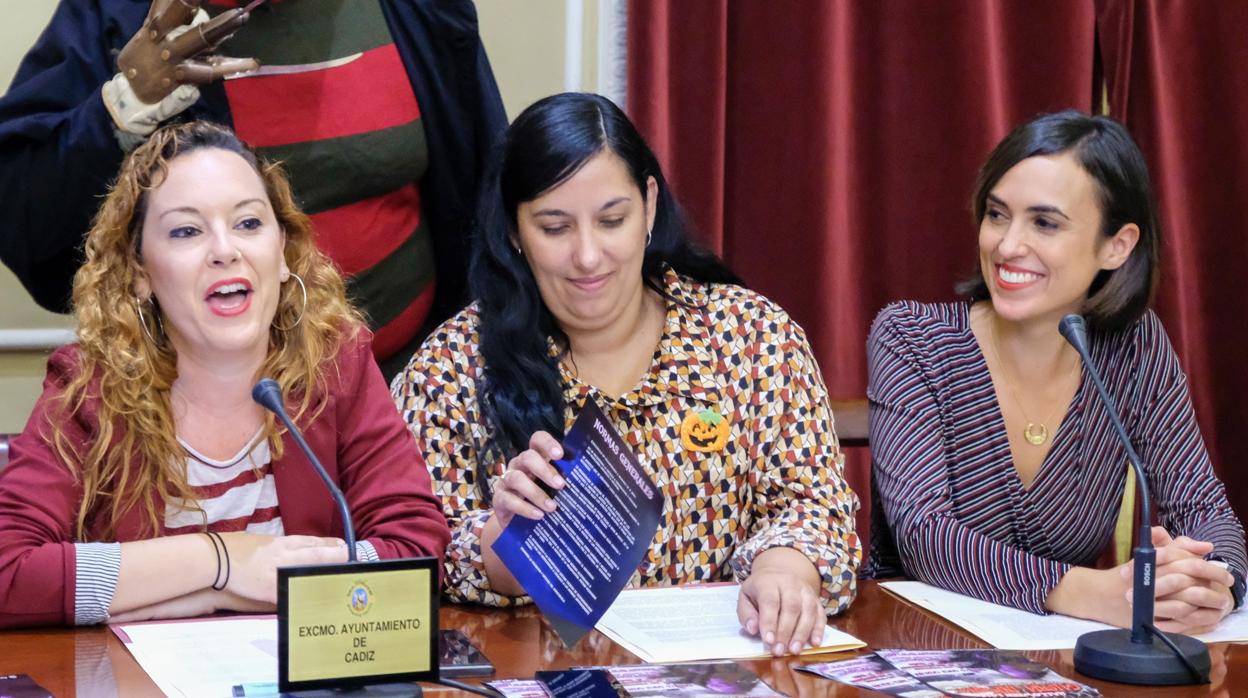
[[238, 494], [959, 517]]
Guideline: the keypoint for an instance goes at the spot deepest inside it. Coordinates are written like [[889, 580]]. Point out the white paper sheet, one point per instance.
[[205, 658], [692, 623], [1011, 629]]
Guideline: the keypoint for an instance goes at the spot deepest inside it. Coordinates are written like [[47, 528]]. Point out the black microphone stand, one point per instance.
[[269, 395], [1130, 656]]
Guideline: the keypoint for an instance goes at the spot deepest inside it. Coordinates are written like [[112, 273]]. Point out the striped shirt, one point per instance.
[[238, 494], [333, 102], [957, 513]]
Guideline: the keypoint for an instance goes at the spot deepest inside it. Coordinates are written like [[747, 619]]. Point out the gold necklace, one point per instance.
[[1035, 433]]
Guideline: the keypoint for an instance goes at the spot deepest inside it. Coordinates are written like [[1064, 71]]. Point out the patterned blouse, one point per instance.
[[958, 515], [732, 422]]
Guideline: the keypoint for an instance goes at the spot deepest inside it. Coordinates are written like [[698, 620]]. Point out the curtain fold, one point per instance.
[[683, 104], [828, 149], [1175, 76]]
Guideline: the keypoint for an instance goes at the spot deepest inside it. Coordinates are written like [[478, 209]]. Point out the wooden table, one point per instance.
[[92, 662]]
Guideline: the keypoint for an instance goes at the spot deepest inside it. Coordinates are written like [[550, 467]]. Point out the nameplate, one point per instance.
[[356, 624]]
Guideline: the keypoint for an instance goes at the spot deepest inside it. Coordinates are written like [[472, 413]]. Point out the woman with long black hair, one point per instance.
[[587, 288]]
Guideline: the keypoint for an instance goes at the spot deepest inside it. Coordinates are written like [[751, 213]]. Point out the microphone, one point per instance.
[[269, 395], [1130, 656]]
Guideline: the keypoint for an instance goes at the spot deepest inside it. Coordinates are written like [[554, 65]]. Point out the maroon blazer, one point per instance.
[[358, 437]]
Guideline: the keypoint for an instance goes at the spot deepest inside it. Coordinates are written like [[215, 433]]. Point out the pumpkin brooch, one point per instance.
[[704, 431]]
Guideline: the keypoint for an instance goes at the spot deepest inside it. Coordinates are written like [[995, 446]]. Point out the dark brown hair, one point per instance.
[[1104, 149]]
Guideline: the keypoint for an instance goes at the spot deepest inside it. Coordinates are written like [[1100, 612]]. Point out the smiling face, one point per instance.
[[585, 241], [1040, 241], [212, 254]]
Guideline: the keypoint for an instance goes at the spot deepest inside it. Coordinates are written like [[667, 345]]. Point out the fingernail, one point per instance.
[[795, 647], [771, 637], [778, 649], [549, 505], [557, 452], [559, 481]]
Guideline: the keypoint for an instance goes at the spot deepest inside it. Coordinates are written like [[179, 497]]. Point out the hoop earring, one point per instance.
[[649, 235], [304, 290], [160, 326]]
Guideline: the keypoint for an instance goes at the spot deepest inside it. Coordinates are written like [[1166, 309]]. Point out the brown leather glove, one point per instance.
[[155, 62]]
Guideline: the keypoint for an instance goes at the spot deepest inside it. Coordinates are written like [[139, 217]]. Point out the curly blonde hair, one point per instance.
[[127, 364]]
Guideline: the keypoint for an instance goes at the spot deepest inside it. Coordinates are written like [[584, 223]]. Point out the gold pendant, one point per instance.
[[1036, 434]]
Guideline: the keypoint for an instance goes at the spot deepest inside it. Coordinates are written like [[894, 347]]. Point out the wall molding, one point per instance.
[[14, 341], [613, 51]]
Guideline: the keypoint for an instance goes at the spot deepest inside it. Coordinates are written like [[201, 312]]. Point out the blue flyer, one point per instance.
[[576, 560]]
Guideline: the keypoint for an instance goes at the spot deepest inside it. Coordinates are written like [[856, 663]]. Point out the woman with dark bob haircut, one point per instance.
[[994, 461], [588, 289]]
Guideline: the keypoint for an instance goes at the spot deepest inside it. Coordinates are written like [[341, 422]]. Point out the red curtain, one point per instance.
[[1175, 75], [828, 149]]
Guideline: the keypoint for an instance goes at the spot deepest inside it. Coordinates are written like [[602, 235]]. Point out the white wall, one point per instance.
[[21, 373]]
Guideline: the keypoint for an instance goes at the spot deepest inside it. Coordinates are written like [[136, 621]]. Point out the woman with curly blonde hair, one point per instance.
[[147, 483]]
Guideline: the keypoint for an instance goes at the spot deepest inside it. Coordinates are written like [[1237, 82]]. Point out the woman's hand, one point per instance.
[[1094, 594], [200, 603], [1191, 594], [518, 492], [254, 560], [779, 602]]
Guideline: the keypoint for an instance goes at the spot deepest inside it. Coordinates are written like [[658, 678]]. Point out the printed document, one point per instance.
[[1011, 629], [575, 560], [693, 623], [195, 658]]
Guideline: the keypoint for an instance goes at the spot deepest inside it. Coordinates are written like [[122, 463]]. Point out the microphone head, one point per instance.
[[269, 395], [1075, 330]]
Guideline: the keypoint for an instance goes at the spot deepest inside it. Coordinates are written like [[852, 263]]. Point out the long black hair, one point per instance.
[[521, 391], [1104, 149]]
